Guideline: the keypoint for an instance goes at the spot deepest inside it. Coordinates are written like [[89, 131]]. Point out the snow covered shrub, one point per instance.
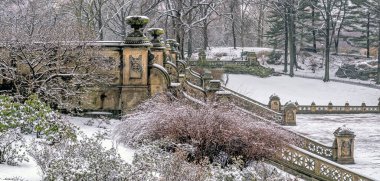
[[34, 116], [84, 159], [154, 162], [212, 130], [12, 146]]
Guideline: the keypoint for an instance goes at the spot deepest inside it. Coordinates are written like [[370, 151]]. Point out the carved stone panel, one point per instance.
[[136, 69]]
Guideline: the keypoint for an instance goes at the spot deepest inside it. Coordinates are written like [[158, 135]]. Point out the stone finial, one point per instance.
[[346, 104], [330, 106], [313, 104], [137, 36], [156, 33], [290, 111], [172, 43], [344, 145], [274, 103]]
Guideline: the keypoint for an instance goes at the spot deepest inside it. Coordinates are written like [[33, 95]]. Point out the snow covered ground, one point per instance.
[[30, 171], [229, 53], [304, 59], [304, 91], [367, 141]]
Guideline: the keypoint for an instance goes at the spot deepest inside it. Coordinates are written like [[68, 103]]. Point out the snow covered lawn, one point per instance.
[[229, 53], [304, 91], [367, 141]]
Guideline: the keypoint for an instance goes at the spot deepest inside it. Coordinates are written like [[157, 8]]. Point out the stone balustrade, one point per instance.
[[314, 167]]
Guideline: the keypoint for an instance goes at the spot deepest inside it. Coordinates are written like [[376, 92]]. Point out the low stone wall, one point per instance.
[[306, 109], [315, 167], [221, 63]]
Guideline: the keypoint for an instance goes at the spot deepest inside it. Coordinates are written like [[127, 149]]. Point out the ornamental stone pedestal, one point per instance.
[[274, 103], [290, 111], [173, 50], [135, 64], [158, 48], [344, 146], [202, 56]]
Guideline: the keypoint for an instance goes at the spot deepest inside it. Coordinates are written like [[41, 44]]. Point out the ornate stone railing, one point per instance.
[[194, 91], [220, 63], [314, 166], [254, 106], [193, 77], [316, 147], [306, 109]]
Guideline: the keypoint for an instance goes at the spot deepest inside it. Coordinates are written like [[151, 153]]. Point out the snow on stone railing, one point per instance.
[[221, 63], [254, 106], [193, 77], [312, 166], [275, 104]]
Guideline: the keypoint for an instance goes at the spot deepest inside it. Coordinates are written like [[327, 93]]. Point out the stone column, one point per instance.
[[313, 107], [330, 107], [135, 65], [213, 87], [202, 56], [290, 114], [206, 79], [344, 146], [364, 107], [347, 107], [172, 51], [158, 48], [251, 57], [274, 103]]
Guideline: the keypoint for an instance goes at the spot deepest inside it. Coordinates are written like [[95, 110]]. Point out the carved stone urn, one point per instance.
[[172, 43], [137, 36], [156, 33]]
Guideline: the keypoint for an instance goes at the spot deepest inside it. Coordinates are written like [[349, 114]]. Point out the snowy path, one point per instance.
[[367, 141], [304, 91]]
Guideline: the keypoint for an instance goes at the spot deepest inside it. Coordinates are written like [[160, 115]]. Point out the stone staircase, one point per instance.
[[310, 161]]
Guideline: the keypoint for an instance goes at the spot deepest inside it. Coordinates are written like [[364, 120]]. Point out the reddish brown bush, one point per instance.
[[212, 130]]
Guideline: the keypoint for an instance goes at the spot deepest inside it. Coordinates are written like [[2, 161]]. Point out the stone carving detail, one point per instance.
[[346, 148], [136, 70], [320, 150], [298, 159]]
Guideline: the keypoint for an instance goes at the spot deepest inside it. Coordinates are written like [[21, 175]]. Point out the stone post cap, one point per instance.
[[363, 104], [207, 75], [330, 104], [290, 105], [215, 85], [313, 104], [274, 97], [347, 104], [156, 33], [344, 131]]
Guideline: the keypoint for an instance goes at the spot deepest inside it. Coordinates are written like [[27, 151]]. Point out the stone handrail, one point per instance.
[[194, 91], [254, 106], [193, 77], [316, 147], [308, 109], [221, 63], [314, 166]]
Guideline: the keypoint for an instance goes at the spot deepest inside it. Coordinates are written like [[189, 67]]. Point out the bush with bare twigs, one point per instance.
[[214, 130]]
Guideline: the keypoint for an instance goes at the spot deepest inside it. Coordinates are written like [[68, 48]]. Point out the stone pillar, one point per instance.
[[274, 103], [206, 79], [251, 57], [202, 56], [347, 107], [313, 107], [344, 146], [330, 107], [364, 107], [173, 50], [167, 53], [135, 65], [290, 114], [158, 48], [213, 87]]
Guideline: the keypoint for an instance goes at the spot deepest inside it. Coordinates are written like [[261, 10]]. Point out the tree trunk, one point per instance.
[[314, 31], [190, 44], [368, 25], [378, 49], [291, 39], [205, 35], [286, 40], [327, 42]]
